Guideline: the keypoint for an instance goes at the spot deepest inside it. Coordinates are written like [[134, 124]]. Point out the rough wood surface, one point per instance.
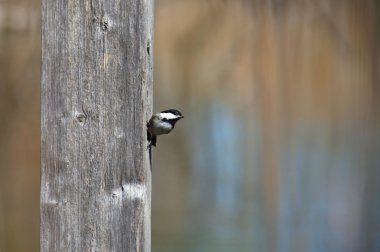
[[96, 97]]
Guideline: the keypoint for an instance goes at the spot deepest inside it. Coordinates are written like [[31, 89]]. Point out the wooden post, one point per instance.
[[96, 97]]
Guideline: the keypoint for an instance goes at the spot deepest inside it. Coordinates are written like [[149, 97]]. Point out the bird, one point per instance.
[[162, 123]]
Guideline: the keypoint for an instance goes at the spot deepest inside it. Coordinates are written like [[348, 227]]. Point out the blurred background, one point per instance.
[[280, 146]]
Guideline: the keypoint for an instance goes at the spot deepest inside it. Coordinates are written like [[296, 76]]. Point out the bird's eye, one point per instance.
[[165, 119]]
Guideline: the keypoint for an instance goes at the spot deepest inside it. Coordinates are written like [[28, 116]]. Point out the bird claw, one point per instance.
[[151, 140]]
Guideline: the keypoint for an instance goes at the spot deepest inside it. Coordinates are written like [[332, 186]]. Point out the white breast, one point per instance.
[[159, 127]]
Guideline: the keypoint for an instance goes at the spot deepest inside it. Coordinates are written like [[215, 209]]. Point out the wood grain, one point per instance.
[[96, 97]]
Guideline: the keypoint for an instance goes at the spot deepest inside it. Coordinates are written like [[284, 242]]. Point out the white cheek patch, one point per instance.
[[169, 116]]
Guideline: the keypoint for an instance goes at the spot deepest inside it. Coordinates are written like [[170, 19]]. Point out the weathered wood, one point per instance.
[[96, 97]]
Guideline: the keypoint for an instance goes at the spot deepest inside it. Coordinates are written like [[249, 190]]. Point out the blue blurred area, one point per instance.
[[217, 162]]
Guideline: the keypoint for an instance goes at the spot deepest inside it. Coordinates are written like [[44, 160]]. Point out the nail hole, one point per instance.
[[104, 25]]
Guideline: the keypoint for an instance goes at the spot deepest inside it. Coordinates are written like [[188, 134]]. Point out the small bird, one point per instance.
[[162, 123]]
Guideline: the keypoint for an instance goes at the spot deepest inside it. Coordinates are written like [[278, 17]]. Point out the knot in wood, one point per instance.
[[81, 118]]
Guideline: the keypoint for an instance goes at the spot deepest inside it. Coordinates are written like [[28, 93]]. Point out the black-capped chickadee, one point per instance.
[[162, 123]]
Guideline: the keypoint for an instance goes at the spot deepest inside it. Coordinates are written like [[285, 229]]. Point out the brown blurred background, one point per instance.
[[279, 149]]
